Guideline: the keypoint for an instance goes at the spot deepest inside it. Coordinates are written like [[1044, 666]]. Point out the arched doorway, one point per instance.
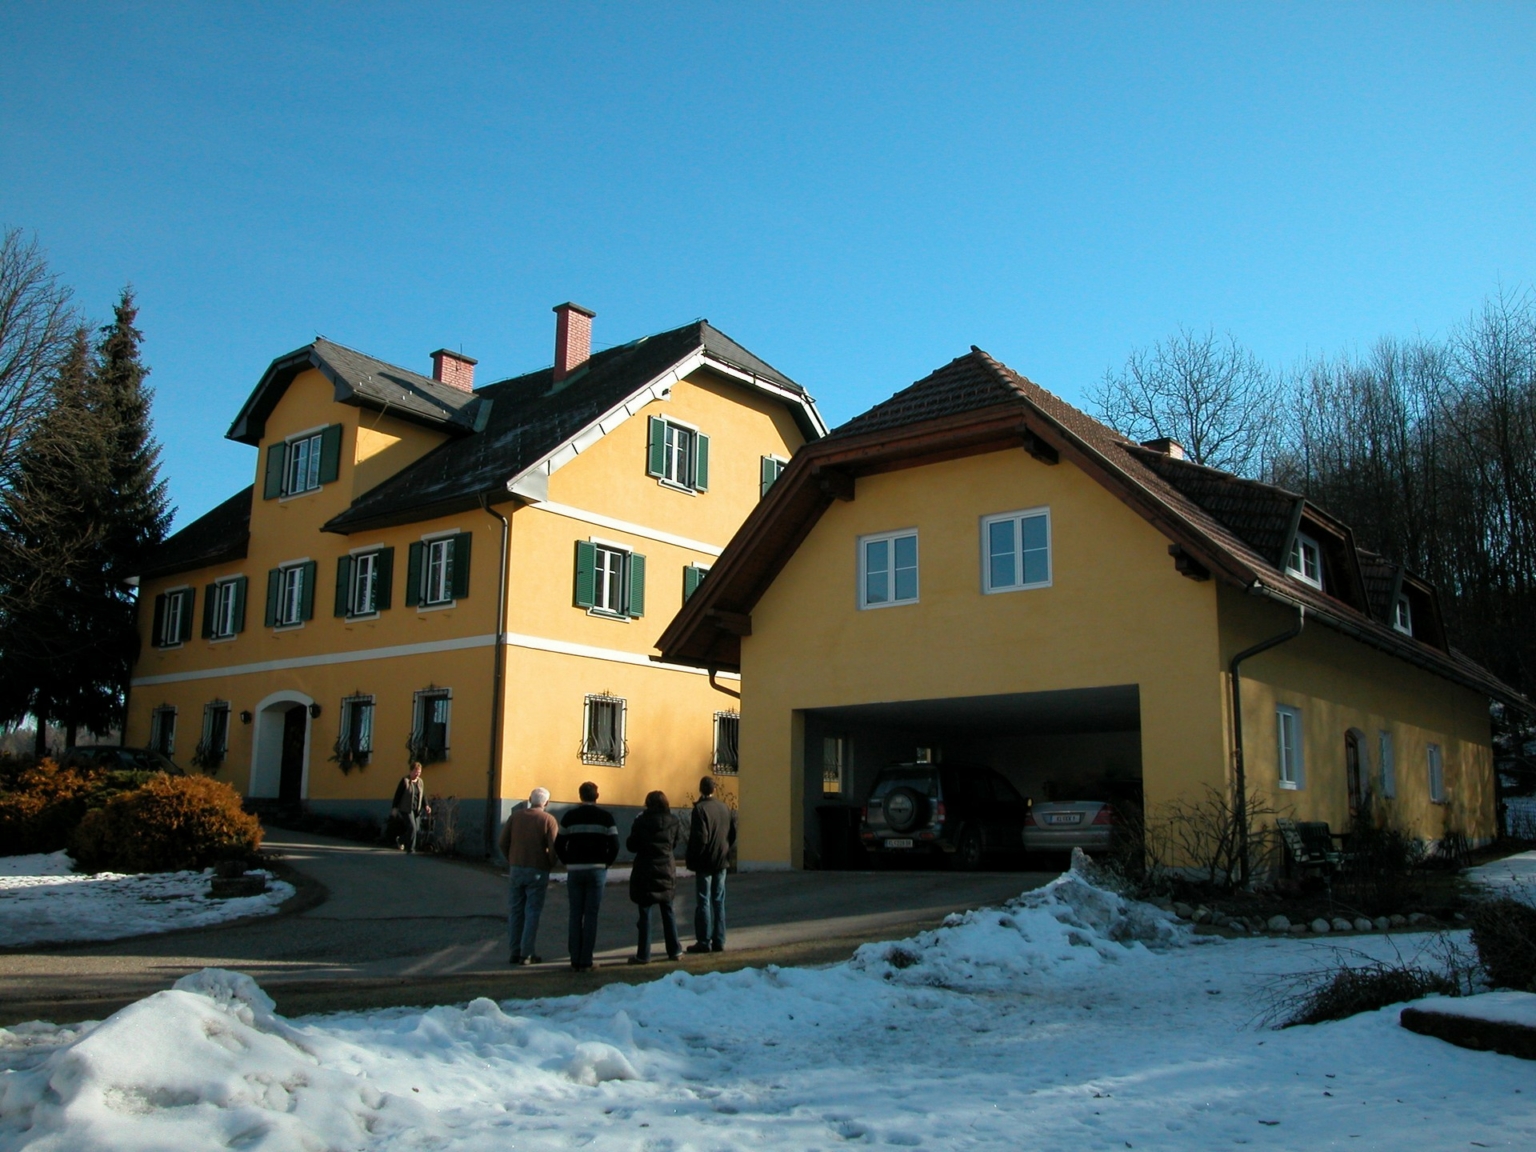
[[1354, 775], [280, 756]]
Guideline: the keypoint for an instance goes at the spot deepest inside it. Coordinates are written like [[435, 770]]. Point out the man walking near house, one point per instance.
[[588, 844], [409, 806], [711, 835], [528, 843]]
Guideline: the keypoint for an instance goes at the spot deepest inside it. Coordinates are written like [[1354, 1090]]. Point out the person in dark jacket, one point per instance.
[[653, 839], [408, 807], [588, 844], [711, 835]]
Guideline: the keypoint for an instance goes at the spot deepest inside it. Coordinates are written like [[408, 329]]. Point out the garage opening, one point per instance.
[[1080, 744]]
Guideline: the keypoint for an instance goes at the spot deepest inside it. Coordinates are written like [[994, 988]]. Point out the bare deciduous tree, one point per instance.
[[1208, 393], [37, 322]]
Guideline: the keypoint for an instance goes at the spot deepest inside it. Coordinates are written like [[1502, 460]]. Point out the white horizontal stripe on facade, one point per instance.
[[641, 530], [511, 639]]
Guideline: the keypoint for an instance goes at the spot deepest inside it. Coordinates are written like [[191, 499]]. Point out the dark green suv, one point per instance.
[[953, 812]]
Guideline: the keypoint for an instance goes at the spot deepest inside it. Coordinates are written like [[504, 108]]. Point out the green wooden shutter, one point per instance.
[[586, 574], [189, 605], [656, 448], [239, 604], [158, 626], [307, 592], [210, 594], [691, 577], [461, 565], [769, 473], [276, 455], [343, 585], [701, 463], [413, 574], [274, 590], [330, 454], [385, 567], [636, 606]]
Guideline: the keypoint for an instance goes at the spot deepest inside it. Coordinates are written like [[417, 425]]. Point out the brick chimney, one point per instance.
[[1166, 446], [573, 338], [454, 370]]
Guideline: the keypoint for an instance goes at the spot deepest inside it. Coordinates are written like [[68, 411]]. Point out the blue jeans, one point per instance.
[[668, 931], [585, 887], [525, 903], [709, 908]]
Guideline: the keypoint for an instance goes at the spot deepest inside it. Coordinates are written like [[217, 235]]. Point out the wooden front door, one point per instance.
[[1353, 775], [290, 784]]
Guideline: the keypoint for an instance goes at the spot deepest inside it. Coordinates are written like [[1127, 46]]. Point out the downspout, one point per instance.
[[498, 675], [1239, 771]]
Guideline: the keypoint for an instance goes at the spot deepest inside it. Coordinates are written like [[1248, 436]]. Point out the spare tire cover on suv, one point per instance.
[[906, 809]]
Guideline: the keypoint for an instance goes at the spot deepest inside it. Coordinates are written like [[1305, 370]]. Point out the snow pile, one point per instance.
[[1505, 1007], [43, 901], [1071, 922], [1513, 876]]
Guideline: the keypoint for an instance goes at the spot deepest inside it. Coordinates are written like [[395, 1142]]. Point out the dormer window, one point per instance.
[[303, 463], [1306, 560], [1402, 616]]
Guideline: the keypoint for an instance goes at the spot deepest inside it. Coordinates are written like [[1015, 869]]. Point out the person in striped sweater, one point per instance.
[[588, 843]]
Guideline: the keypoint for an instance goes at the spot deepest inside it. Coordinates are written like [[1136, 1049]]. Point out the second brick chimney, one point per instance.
[[573, 338], [454, 369]]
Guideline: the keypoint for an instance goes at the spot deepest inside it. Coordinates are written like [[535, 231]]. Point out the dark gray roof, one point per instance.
[[529, 418], [362, 380], [215, 537]]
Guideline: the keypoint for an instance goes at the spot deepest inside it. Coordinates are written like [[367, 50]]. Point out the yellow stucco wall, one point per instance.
[[1116, 613], [670, 713], [1339, 684]]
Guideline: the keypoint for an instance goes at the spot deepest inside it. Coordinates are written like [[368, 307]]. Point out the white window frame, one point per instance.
[[589, 753], [349, 707], [159, 740], [419, 720], [366, 561], [224, 596], [437, 585], [1434, 763], [889, 538], [290, 596], [1296, 562], [210, 709], [1402, 616], [175, 611], [834, 765], [1388, 758], [782, 463], [722, 764], [1290, 764], [601, 573], [1017, 518], [307, 448]]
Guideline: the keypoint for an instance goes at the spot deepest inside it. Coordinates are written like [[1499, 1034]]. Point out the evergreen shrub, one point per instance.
[[169, 824], [1504, 934]]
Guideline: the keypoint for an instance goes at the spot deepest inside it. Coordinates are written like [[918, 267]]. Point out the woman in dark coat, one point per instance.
[[653, 877]]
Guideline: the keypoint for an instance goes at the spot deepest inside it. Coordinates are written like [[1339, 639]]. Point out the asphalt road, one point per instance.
[[371, 927]]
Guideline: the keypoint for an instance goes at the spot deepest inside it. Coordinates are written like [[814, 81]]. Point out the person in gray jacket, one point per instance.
[[711, 835]]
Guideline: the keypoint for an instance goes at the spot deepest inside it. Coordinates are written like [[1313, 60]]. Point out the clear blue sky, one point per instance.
[[856, 192]]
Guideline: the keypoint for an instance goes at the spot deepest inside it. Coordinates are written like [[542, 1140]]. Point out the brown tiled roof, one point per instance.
[[1236, 529]]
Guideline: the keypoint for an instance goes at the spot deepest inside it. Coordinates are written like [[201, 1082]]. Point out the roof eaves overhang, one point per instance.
[[801, 404], [237, 550]]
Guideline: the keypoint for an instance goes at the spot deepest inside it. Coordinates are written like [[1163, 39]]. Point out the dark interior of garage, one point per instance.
[[1075, 744]]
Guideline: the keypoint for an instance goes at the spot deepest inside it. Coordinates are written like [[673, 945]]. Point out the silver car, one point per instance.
[[1062, 825]]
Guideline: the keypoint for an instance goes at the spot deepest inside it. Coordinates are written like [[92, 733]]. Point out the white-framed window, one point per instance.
[[301, 472], [215, 743], [1288, 739], [173, 618], [727, 760], [610, 580], [354, 742], [437, 587], [1402, 616], [888, 569], [363, 581], [429, 729], [677, 455], [693, 576], [1436, 767], [290, 596], [1387, 757], [603, 723], [1306, 560], [610, 593], [834, 765], [437, 571], [1016, 550], [225, 620], [365, 584], [162, 729], [771, 469]]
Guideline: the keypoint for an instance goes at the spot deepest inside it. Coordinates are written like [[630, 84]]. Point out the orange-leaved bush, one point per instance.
[[169, 824], [40, 811]]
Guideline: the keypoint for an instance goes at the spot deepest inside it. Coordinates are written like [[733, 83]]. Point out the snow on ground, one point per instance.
[[1498, 1007], [43, 901], [1511, 876], [1046, 1024]]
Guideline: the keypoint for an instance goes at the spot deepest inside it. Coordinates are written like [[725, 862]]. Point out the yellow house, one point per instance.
[[976, 569], [472, 576]]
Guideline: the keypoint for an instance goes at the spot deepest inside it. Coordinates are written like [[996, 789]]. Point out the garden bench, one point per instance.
[[1309, 843]]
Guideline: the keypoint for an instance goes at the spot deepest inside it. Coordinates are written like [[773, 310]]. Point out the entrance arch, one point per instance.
[[280, 749]]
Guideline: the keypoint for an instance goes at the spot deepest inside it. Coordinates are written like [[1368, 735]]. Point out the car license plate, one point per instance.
[[1064, 818], [898, 843]]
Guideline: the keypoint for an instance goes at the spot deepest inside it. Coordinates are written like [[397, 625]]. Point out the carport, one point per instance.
[[1072, 744]]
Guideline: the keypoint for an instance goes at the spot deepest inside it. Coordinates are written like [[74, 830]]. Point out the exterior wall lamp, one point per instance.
[[314, 711], [245, 716]]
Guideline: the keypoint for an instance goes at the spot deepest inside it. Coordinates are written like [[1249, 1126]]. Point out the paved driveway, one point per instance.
[[380, 918]]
